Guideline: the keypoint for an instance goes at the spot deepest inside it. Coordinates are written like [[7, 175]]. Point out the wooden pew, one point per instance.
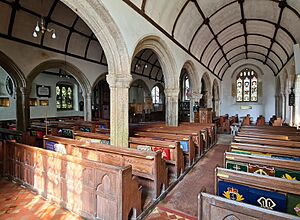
[[267, 165], [171, 152], [222, 208], [265, 141], [92, 137], [196, 136], [149, 167], [266, 135], [19, 136], [265, 149], [259, 190], [190, 152], [91, 189]]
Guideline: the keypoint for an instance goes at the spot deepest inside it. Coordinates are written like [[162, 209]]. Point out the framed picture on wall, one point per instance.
[[43, 91]]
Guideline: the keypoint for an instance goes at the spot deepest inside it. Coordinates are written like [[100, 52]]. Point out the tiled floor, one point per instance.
[[18, 203]]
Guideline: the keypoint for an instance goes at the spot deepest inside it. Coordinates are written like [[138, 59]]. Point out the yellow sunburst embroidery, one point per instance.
[[233, 194], [288, 177]]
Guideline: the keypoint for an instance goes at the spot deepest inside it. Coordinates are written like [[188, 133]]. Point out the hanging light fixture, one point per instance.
[[40, 26]]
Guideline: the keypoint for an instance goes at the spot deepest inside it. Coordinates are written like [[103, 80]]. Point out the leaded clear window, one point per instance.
[[246, 86], [155, 95], [64, 97]]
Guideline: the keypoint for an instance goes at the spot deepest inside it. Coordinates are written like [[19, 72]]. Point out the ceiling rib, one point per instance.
[[179, 14], [243, 22], [15, 6], [206, 21], [70, 33], [281, 5], [88, 45], [143, 5]]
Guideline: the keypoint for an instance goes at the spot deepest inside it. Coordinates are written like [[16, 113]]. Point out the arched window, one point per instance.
[[186, 87], [155, 95], [246, 86], [64, 96]]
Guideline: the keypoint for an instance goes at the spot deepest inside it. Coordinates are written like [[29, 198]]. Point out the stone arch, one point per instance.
[[143, 84], [191, 70], [206, 98], [165, 58], [74, 71], [70, 68], [98, 19], [13, 70], [216, 97], [101, 77], [19, 81]]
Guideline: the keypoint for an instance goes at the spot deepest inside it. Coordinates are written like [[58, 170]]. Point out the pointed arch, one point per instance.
[[143, 84], [191, 70]]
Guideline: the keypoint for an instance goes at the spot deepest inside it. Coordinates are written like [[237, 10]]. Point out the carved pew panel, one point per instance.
[[88, 188], [215, 207], [189, 150], [170, 150]]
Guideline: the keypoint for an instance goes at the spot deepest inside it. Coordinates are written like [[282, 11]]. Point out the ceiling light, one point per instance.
[[40, 27]]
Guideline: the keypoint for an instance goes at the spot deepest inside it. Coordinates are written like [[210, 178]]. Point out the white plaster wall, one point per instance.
[[265, 105], [51, 111]]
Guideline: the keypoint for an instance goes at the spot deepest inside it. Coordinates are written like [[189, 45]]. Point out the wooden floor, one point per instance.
[[16, 202]]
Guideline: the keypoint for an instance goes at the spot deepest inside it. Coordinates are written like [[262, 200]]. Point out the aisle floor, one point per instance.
[[181, 202]]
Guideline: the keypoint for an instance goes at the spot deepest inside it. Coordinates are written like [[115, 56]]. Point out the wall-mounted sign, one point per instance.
[[245, 107], [43, 91]]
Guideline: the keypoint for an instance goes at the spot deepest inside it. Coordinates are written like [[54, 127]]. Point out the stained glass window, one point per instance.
[[246, 86], [64, 97], [155, 95]]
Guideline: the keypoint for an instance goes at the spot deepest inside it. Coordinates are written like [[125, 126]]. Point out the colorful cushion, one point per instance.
[[232, 165], [287, 174], [165, 152], [293, 204], [184, 145], [233, 191], [267, 199], [263, 170]]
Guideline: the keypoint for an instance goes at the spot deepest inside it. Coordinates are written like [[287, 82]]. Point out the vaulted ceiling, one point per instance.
[[219, 33]]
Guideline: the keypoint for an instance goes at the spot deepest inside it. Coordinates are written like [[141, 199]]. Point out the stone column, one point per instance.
[[87, 106], [283, 107], [195, 98], [172, 106], [22, 105], [119, 107], [297, 101]]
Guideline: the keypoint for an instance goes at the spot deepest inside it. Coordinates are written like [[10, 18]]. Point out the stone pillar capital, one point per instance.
[[119, 80], [173, 92]]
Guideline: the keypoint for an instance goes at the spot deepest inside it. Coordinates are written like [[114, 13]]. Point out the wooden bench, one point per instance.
[[222, 208], [196, 136], [170, 150], [265, 149], [91, 189], [264, 165], [183, 139], [264, 141], [260, 190], [149, 167], [273, 136], [92, 137]]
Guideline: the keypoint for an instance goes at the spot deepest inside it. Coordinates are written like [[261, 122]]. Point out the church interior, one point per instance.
[[150, 109]]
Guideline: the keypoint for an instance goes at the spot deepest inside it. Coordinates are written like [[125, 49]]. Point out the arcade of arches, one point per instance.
[[130, 62]]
